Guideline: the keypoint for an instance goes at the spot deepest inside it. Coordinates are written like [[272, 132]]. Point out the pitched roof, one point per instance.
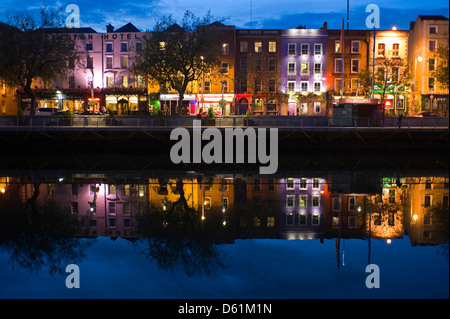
[[432, 17], [70, 30], [129, 27]]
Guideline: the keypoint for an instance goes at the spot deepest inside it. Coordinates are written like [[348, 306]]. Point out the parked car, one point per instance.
[[427, 114], [45, 111], [59, 112]]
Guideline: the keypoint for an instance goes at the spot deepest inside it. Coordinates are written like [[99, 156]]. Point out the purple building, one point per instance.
[[302, 203], [303, 70]]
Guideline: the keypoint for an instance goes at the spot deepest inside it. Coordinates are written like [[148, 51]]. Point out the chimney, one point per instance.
[[411, 25], [324, 25], [109, 28]]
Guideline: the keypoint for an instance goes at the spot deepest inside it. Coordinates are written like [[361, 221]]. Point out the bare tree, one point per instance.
[[33, 48]]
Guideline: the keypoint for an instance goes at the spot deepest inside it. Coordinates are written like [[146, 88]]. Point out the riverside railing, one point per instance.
[[76, 123]]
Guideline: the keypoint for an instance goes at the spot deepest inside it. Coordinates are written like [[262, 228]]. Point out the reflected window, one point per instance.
[[127, 223], [315, 220], [316, 183], [335, 222], [303, 183], [427, 201], [351, 221], [111, 208], [270, 184], [290, 200], [336, 204], [256, 221], [141, 190], [270, 221], [112, 222], [290, 183], [427, 218], [302, 219], [352, 203], [126, 190], [303, 202], [74, 208], [111, 189], [290, 219], [207, 202], [126, 208], [316, 201]]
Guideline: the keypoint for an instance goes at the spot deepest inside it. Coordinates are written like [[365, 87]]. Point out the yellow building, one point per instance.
[[391, 52], [164, 192], [8, 99], [427, 34], [426, 192]]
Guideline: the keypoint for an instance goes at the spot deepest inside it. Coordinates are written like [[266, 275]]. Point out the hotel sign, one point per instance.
[[358, 101]]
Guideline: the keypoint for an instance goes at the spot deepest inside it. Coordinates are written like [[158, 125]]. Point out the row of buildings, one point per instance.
[[298, 207], [264, 71]]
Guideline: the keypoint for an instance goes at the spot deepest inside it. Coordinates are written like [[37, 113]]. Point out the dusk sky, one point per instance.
[[267, 14]]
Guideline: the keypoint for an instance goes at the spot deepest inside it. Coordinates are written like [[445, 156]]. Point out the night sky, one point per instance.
[[283, 14]]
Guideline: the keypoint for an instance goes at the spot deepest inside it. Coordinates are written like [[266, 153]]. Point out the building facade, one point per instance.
[[427, 34], [303, 70]]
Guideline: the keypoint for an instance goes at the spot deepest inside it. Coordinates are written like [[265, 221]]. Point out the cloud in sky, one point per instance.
[[266, 14]]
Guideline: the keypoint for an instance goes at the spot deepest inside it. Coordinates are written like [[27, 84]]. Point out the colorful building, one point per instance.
[[427, 34]]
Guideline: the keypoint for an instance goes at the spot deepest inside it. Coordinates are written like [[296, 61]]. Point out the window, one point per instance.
[[89, 62], [243, 64], [292, 48], [111, 208], [337, 85], [289, 219], [318, 49], [127, 223], [272, 46], [124, 47], [395, 50], [290, 200], [356, 46], [304, 109], [432, 45], [290, 183], [316, 183], [355, 65], [109, 62], [336, 204], [427, 201], [354, 84], [162, 46], [302, 219], [124, 81], [352, 203], [291, 86], [316, 201], [428, 184], [225, 86], [224, 68], [391, 199], [303, 182], [317, 88], [207, 202], [433, 29], [138, 46], [109, 81], [303, 201], [337, 65], [258, 65], [304, 86], [126, 190], [272, 85], [74, 189], [351, 221], [71, 82], [112, 222], [258, 46], [305, 48], [272, 65], [89, 47], [337, 46], [258, 88], [257, 184], [74, 208], [315, 220], [431, 64], [304, 66], [291, 68], [225, 49], [111, 189], [244, 47], [243, 85], [431, 84], [271, 103], [317, 107], [270, 221], [317, 68], [207, 86], [124, 62], [256, 221], [381, 49]]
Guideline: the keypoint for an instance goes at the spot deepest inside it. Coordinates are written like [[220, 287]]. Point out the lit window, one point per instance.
[[292, 48], [225, 48], [258, 47], [272, 46]]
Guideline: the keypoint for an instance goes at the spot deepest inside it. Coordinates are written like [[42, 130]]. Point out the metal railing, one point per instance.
[[56, 123]]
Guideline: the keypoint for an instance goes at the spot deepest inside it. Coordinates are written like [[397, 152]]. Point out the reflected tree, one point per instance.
[[177, 235], [40, 233]]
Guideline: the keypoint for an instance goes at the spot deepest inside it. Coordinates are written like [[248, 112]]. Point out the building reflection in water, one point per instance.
[[234, 206]]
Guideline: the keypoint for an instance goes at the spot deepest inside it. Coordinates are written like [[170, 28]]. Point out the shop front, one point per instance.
[[169, 102], [436, 104], [205, 101]]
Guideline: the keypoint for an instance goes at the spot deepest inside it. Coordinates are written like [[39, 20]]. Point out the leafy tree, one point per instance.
[[441, 72], [365, 80], [32, 48], [177, 54]]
